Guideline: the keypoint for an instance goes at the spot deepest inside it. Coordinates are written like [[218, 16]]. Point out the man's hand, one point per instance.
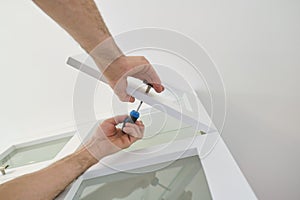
[[108, 139], [134, 66], [82, 20]]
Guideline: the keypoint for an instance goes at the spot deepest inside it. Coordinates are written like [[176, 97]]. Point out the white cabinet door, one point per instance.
[[180, 168]]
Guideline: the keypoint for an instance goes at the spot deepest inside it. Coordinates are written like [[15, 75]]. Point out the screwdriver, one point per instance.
[[147, 91], [134, 114]]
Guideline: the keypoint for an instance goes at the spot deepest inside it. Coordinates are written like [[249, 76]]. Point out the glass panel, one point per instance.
[[162, 128], [34, 153], [183, 179]]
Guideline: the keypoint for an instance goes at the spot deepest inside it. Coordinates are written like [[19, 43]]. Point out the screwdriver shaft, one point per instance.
[[147, 91], [139, 106]]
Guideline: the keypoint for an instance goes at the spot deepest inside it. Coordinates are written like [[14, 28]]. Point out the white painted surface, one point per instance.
[[35, 84], [223, 175], [255, 44], [218, 164], [222, 168], [177, 108]]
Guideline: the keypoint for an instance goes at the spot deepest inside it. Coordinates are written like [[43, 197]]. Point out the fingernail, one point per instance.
[[131, 99], [160, 88]]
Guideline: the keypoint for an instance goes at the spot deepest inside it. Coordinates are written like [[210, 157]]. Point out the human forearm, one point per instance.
[[51, 181], [80, 18]]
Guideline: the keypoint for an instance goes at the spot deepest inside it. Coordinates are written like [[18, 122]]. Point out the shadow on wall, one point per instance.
[[263, 130]]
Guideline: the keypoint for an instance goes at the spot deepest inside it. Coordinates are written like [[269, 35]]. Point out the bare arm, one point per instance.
[[51, 181], [82, 20]]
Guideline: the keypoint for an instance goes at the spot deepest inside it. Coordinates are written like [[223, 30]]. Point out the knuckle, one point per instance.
[[142, 58], [123, 97]]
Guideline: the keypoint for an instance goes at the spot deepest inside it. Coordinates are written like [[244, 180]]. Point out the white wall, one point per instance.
[[35, 84], [256, 45]]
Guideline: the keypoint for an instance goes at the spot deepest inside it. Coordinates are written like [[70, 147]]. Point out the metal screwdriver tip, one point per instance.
[[147, 91], [139, 106]]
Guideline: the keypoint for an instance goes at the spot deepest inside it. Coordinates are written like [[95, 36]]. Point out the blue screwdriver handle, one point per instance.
[[134, 115]]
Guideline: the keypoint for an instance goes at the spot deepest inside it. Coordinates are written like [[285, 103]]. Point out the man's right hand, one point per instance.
[[135, 66]]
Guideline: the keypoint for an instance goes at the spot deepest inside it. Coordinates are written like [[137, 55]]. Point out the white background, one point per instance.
[[256, 45]]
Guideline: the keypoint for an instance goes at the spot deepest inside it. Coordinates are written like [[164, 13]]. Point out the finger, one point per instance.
[[147, 73], [120, 90], [139, 123], [123, 96], [154, 80], [125, 140], [158, 87], [132, 99], [116, 120], [127, 98], [134, 130]]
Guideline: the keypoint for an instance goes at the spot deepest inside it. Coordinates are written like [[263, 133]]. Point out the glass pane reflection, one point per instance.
[[184, 179], [34, 153]]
